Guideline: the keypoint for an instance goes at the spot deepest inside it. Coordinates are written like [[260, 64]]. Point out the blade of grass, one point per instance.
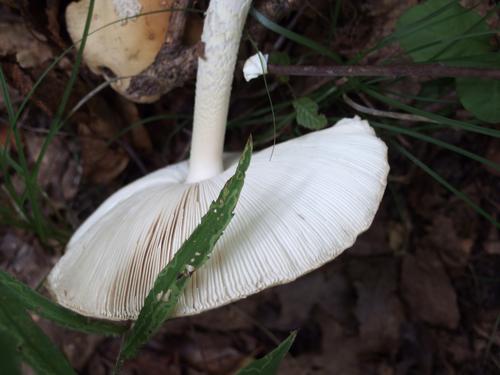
[[268, 94], [421, 24], [147, 121], [272, 133], [47, 309], [334, 16], [194, 252], [237, 121], [492, 336], [437, 142], [31, 178], [437, 118], [253, 117], [300, 39], [269, 364], [418, 98], [34, 347], [31, 186], [445, 183], [57, 122]]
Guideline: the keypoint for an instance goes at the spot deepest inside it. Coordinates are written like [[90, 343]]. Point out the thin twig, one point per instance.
[[411, 70], [93, 93], [386, 114]]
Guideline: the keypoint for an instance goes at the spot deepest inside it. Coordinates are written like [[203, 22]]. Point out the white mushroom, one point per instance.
[[297, 211]]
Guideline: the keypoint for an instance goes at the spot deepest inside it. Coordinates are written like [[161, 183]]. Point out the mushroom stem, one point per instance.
[[221, 37]]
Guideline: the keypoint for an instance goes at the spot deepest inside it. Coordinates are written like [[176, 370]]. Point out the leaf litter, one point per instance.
[[416, 294]]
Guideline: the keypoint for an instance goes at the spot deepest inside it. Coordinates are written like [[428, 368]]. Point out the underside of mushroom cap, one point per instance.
[[120, 48], [297, 211]]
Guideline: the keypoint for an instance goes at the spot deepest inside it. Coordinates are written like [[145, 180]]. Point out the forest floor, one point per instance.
[[419, 293]]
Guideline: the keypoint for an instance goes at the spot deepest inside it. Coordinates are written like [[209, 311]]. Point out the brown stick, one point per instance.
[[415, 70]]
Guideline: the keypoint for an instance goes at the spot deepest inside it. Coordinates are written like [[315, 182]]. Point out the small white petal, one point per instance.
[[255, 66]]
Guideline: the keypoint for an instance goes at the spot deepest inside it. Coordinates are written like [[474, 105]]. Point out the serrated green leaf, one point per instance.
[[33, 346], [481, 97], [10, 363], [307, 115], [194, 252], [34, 301], [270, 364], [443, 37]]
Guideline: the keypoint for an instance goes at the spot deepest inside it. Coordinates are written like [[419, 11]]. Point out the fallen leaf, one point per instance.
[[60, 173], [16, 39], [101, 162], [378, 309], [23, 258], [427, 289]]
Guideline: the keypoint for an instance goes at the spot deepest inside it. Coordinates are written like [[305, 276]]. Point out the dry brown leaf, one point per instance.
[[60, 174], [493, 154], [140, 137], [378, 309], [444, 236], [211, 353], [16, 39], [22, 256], [52, 11], [101, 163], [427, 289]]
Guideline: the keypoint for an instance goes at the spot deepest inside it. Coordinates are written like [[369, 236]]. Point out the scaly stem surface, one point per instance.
[[221, 37]]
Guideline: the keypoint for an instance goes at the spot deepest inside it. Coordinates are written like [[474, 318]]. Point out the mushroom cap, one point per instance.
[[297, 211], [124, 48]]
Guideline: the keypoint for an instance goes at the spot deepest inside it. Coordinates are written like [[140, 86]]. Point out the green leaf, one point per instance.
[[307, 115], [481, 97], [34, 301], [10, 363], [269, 364], [280, 58], [443, 35], [33, 346], [194, 252], [460, 37]]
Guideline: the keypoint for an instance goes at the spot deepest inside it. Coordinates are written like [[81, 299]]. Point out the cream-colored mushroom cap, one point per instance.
[[297, 210], [124, 48]]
